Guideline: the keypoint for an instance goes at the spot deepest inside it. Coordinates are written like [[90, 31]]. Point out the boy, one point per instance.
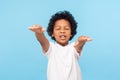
[[62, 55]]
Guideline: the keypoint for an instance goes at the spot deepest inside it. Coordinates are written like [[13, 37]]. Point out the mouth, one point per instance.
[[62, 37]]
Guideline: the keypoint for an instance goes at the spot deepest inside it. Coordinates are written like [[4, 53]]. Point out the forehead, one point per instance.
[[62, 22]]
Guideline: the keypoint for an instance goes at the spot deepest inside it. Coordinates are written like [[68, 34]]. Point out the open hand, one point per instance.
[[37, 29], [81, 40]]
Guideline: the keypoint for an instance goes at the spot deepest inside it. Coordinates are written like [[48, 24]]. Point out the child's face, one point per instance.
[[62, 32]]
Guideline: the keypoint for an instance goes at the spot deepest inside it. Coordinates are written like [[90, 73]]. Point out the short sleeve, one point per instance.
[[48, 51], [77, 55]]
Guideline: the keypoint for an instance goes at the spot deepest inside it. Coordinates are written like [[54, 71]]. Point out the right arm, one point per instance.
[[39, 32], [81, 42]]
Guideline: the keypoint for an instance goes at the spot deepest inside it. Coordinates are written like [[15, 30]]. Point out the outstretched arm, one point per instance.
[[80, 43], [39, 32]]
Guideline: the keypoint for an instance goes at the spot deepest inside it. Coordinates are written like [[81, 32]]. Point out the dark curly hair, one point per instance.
[[62, 15]]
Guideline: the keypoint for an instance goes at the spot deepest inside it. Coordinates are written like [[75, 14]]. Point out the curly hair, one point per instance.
[[62, 15]]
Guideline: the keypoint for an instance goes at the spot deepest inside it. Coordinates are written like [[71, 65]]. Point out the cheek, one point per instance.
[[69, 32], [54, 33]]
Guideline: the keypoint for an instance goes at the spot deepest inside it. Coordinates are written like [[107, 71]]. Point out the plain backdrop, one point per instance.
[[21, 56]]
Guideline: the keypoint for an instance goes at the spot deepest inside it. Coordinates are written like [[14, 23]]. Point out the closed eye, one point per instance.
[[67, 28], [57, 28]]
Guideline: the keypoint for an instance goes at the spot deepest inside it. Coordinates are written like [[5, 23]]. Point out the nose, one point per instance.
[[62, 31]]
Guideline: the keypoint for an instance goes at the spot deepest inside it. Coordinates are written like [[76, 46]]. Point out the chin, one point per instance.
[[63, 43]]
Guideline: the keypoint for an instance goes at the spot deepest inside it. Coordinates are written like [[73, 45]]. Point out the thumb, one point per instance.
[[43, 30], [89, 39], [76, 43]]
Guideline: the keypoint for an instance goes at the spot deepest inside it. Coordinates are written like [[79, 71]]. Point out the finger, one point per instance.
[[77, 43], [89, 39], [30, 28], [43, 29], [34, 27]]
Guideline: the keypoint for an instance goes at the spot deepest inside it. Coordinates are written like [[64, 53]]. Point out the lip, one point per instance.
[[62, 37]]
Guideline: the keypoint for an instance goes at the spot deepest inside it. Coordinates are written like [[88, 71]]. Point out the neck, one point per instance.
[[63, 44]]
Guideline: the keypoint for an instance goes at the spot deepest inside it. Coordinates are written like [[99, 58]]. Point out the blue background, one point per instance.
[[20, 53]]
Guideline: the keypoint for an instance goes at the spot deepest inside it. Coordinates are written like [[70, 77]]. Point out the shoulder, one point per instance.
[[76, 53], [51, 44], [72, 44]]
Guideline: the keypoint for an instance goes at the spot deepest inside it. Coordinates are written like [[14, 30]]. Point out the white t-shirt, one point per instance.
[[63, 62]]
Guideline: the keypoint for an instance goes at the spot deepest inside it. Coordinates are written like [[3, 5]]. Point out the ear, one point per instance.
[[52, 35]]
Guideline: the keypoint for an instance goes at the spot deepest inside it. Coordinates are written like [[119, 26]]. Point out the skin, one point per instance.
[[39, 32], [61, 33]]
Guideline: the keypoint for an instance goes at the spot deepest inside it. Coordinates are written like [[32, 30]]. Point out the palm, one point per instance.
[[37, 29]]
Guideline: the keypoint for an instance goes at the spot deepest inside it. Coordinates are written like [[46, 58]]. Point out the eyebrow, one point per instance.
[[60, 26]]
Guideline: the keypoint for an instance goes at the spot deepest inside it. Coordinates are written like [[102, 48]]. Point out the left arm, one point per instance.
[[81, 42]]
